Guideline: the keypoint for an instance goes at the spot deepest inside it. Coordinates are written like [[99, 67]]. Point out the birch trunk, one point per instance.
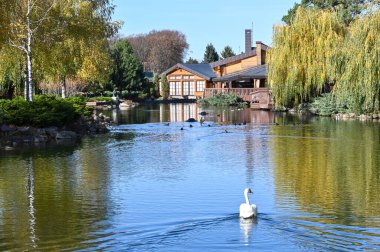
[[25, 85], [29, 77], [63, 87]]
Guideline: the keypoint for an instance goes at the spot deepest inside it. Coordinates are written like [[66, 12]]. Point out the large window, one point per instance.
[[200, 86], [178, 88], [172, 88], [171, 77], [186, 90], [191, 88]]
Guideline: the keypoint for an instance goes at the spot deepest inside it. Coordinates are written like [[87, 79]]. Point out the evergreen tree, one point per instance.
[[210, 54], [128, 72], [192, 61], [227, 52], [164, 87], [156, 84]]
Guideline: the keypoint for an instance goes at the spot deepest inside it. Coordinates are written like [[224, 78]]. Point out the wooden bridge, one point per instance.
[[259, 98]]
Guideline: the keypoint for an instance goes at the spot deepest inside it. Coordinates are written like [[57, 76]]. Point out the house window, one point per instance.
[[186, 90], [186, 77], [192, 77], [171, 77], [172, 88], [191, 88], [200, 86], [178, 77], [178, 88]]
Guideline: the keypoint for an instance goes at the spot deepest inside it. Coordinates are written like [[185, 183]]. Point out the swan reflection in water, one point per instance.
[[246, 226]]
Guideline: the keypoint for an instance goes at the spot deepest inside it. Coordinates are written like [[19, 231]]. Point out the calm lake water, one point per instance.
[[149, 186]]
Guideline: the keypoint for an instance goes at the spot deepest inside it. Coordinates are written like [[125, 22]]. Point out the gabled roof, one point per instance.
[[233, 58], [258, 72], [239, 57], [202, 70]]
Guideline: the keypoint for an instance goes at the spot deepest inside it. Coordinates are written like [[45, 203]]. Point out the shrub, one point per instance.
[[223, 100], [100, 98], [44, 111], [327, 105]]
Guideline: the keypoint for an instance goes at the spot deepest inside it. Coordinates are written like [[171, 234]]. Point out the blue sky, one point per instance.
[[220, 22]]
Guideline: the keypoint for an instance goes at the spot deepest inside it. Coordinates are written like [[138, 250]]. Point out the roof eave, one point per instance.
[[179, 65]]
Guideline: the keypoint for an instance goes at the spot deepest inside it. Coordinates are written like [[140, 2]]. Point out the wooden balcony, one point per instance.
[[259, 98]]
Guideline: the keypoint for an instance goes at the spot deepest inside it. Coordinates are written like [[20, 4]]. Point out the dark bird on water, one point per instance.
[[191, 126], [166, 124], [226, 131], [181, 128]]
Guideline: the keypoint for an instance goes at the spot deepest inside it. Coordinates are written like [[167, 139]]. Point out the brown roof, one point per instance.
[[239, 57], [233, 59], [258, 72], [202, 70]]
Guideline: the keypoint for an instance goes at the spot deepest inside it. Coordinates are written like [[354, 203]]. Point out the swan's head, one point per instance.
[[247, 190]]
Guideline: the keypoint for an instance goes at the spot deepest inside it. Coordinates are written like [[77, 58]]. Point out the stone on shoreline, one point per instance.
[[66, 135]]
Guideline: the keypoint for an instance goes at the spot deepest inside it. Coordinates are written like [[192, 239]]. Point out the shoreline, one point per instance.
[[12, 136]]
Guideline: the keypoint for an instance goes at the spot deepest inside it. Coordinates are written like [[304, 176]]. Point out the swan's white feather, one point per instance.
[[248, 211]]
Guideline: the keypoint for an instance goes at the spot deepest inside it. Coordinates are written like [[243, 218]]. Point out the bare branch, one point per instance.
[[13, 44], [39, 22]]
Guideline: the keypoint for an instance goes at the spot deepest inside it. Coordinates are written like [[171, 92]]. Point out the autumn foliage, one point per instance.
[[159, 50]]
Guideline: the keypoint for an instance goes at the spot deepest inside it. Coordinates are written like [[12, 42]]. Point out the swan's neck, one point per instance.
[[246, 198]]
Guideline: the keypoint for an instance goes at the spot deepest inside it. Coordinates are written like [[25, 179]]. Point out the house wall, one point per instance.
[[236, 66], [249, 62], [177, 80]]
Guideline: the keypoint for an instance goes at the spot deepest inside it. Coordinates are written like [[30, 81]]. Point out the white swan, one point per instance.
[[246, 209]]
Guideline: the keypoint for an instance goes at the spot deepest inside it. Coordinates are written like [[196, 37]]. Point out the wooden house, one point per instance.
[[188, 81], [244, 74]]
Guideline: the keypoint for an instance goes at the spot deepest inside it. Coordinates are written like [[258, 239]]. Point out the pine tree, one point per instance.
[[164, 87], [210, 54], [192, 61], [227, 52]]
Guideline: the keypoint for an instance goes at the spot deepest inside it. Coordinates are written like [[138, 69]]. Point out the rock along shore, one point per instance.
[[12, 136]]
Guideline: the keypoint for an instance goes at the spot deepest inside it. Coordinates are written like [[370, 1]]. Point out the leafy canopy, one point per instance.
[[347, 9]]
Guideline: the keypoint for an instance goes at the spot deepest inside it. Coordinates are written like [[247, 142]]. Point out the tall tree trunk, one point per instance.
[[29, 55], [26, 86], [63, 87]]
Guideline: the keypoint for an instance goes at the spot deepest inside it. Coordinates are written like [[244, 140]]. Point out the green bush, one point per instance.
[[44, 111], [327, 105], [223, 100], [100, 98]]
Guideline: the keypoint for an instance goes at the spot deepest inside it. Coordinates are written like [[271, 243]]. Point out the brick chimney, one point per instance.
[[248, 40], [259, 46]]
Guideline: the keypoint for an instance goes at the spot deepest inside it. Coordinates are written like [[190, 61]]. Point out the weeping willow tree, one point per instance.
[[359, 80], [302, 55]]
